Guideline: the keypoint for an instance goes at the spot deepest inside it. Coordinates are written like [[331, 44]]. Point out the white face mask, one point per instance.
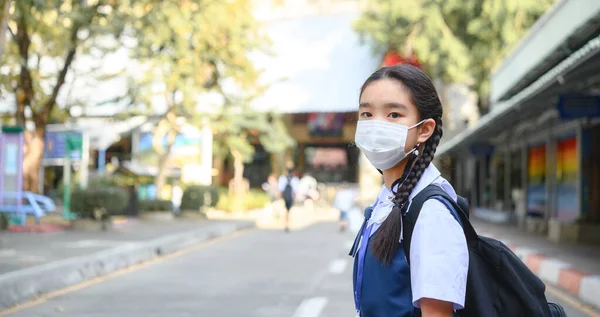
[[383, 142]]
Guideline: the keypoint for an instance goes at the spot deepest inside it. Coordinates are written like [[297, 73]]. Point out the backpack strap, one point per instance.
[[463, 203], [409, 219]]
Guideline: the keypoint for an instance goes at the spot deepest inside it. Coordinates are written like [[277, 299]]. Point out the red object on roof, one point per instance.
[[392, 58]]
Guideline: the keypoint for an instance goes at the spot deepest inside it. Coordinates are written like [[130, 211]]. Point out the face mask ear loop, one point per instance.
[[418, 124]]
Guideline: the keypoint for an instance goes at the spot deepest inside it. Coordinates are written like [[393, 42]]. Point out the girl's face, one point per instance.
[[388, 100]]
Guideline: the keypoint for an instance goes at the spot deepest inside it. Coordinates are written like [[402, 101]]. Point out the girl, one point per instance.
[[399, 129]]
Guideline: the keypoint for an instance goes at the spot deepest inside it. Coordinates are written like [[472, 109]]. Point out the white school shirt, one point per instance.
[[283, 181], [439, 258]]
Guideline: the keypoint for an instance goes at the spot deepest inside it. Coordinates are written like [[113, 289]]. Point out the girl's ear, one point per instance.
[[425, 130]]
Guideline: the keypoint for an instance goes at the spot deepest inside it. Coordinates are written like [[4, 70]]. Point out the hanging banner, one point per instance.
[[321, 124], [536, 184], [567, 168]]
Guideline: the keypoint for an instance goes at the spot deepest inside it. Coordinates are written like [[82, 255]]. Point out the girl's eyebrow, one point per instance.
[[389, 105], [395, 105]]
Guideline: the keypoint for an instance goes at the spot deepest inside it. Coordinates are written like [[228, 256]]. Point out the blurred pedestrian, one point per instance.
[[344, 201], [270, 187], [399, 129], [288, 187], [308, 191]]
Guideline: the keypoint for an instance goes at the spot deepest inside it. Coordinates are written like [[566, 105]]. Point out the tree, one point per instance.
[[4, 14], [237, 126], [189, 49], [457, 40], [46, 38]]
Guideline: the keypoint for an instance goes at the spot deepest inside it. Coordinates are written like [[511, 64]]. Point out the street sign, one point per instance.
[[482, 149], [56, 144], [74, 142], [573, 106]]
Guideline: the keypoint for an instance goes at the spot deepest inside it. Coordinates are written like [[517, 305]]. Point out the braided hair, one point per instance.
[[425, 98]]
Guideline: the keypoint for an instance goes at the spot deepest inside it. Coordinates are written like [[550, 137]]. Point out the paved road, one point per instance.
[[258, 273]]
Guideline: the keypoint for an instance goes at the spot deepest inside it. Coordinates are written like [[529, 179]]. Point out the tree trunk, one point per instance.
[[163, 159], [34, 152], [238, 173], [4, 17]]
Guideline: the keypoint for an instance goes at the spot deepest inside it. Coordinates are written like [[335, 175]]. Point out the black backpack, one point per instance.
[[499, 284]]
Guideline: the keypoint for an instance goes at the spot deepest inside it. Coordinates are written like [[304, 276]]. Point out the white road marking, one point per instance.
[[311, 307], [338, 266], [8, 253], [91, 244]]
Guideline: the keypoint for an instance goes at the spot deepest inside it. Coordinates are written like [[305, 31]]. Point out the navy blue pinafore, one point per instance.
[[385, 289]]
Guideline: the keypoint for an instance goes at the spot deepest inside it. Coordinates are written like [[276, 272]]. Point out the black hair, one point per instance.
[[425, 98]]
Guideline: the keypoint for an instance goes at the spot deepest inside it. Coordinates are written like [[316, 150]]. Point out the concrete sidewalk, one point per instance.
[[32, 264], [573, 268]]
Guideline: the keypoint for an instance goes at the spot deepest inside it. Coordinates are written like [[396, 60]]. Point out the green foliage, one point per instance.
[[191, 50], [46, 39], [194, 197], [4, 221], [237, 125], [51, 31], [98, 203], [456, 40], [93, 183], [254, 199], [151, 205]]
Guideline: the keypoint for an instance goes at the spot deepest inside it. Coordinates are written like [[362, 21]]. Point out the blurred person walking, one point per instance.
[[308, 191], [288, 187]]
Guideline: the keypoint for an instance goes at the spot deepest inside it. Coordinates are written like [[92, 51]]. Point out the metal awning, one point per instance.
[[536, 98]]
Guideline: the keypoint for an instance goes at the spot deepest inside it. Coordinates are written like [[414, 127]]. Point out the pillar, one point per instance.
[[507, 179], [580, 165], [85, 160], [522, 202], [459, 186], [493, 179], [550, 178], [482, 180], [206, 159], [101, 160]]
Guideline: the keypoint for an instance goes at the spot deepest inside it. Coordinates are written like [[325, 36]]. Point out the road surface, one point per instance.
[[261, 273]]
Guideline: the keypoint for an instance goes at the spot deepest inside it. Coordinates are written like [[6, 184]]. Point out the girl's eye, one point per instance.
[[366, 115], [394, 115]]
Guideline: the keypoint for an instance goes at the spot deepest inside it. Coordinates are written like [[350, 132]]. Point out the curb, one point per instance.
[[560, 274], [24, 285]]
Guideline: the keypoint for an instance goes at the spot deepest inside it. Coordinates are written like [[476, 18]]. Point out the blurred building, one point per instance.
[[537, 151], [314, 76]]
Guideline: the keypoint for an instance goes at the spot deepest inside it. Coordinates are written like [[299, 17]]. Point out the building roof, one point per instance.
[[572, 74], [565, 28]]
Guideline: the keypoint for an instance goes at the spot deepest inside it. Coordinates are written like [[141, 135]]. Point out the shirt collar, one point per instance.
[[430, 175]]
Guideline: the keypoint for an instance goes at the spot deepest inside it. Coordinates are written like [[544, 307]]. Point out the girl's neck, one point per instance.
[[394, 173]]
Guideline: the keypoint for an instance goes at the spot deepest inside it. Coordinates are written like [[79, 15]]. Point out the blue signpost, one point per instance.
[[72, 148], [11, 174]]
